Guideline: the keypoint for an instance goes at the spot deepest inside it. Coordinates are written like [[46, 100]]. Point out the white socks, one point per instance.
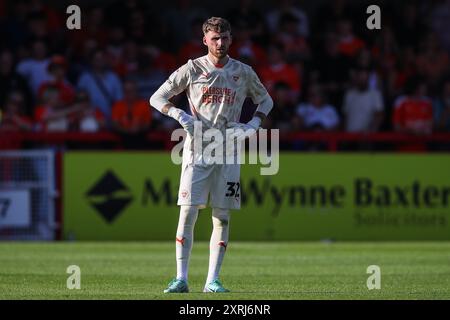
[[218, 243], [185, 238]]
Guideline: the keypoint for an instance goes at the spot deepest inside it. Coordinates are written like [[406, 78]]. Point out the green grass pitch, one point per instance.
[[252, 270]]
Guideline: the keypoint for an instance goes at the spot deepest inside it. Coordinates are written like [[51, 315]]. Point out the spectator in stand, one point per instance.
[[131, 114], [164, 61], [331, 69], [52, 114], [246, 10], [177, 19], [32, 21], [316, 115], [329, 13], [409, 24], [92, 27], [13, 28], [193, 47], [13, 117], [128, 60], [413, 112], [80, 61], [53, 17], [35, 68], [104, 86], [364, 60], [123, 9], [440, 21], [285, 118], [294, 44], [441, 108], [363, 107], [288, 7], [405, 68], [57, 69], [385, 49], [244, 48], [140, 28], [386, 53], [279, 71], [87, 117], [37, 27], [48, 24], [147, 77], [349, 43], [115, 47], [12, 81], [432, 61]]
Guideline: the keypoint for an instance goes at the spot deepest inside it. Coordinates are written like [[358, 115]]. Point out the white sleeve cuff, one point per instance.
[[255, 123], [266, 105]]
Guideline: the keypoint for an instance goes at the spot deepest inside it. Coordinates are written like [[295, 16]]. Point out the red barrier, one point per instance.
[[333, 139], [13, 140]]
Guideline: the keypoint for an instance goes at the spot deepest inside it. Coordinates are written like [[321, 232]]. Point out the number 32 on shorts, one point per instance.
[[233, 189]]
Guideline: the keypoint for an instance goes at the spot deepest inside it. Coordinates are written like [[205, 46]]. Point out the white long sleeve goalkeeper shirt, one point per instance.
[[215, 93]]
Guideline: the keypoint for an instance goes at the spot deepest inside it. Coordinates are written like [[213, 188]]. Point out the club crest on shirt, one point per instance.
[[235, 78], [184, 194]]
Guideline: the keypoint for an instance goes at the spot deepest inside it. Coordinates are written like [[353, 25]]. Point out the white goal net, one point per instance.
[[27, 195]]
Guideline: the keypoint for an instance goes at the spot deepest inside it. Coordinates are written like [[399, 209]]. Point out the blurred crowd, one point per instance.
[[325, 70]]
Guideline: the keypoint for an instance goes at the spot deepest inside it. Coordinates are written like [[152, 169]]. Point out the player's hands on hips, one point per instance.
[[244, 130], [186, 120]]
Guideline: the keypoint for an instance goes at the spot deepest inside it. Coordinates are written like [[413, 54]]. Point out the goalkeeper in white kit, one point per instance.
[[216, 87]]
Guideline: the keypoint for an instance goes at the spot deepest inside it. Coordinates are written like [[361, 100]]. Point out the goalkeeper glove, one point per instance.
[[186, 121], [244, 130]]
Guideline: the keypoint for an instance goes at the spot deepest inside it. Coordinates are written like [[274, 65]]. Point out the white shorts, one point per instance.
[[221, 182]]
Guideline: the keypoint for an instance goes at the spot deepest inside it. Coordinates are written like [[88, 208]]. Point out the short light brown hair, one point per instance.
[[216, 24]]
